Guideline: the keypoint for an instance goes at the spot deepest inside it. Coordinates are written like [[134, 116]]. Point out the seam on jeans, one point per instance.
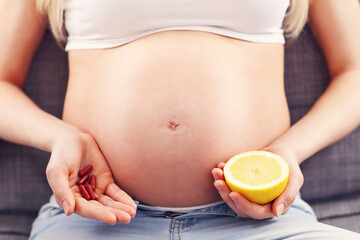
[[190, 222], [172, 229], [186, 224], [176, 226], [178, 229], [179, 225], [207, 213]]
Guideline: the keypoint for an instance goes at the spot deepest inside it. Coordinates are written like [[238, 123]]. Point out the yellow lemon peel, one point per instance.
[[260, 176]]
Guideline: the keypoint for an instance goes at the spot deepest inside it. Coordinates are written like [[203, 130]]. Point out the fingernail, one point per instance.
[[65, 206], [129, 220], [280, 209], [215, 176], [219, 188], [132, 213], [133, 205], [232, 198]]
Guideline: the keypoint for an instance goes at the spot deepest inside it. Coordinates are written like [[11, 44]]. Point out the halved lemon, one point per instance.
[[260, 176]]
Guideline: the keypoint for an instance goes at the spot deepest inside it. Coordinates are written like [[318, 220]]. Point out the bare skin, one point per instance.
[[161, 126], [165, 114], [333, 116]]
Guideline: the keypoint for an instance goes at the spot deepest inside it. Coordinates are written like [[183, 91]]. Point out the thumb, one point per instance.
[[59, 183], [287, 198]]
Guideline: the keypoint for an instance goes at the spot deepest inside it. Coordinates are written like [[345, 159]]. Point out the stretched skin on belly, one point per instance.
[[165, 114]]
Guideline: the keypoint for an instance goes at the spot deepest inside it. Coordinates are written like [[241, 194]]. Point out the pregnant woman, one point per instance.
[[160, 95]]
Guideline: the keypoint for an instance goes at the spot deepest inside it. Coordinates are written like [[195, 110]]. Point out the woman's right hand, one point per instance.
[[72, 152]]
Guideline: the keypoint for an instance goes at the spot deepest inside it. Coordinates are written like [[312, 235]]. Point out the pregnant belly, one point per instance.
[[165, 109]]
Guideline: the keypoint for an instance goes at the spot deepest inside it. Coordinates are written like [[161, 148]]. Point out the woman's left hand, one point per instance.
[[278, 207]]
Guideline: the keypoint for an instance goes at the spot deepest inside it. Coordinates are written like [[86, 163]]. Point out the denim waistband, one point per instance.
[[215, 210], [221, 208], [182, 209]]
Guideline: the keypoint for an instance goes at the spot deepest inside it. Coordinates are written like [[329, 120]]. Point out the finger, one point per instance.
[[59, 183], [113, 191], [240, 203], [221, 165], [217, 174], [95, 210], [286, 210], [109, 202], [224, 192], [121, 216], [253, 210], [292, 189]]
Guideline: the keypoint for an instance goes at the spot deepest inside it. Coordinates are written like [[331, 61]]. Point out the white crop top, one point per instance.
[[97, 24]]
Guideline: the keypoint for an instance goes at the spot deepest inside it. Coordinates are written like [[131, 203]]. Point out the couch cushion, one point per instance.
[[23, 185], [13, 236], [334, 171], [342, 212], [16, 224]]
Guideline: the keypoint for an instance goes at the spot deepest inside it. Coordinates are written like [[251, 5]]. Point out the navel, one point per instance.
[[173, 125]]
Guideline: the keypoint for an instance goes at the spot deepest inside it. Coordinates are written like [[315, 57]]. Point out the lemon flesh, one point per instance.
[[260, 176]]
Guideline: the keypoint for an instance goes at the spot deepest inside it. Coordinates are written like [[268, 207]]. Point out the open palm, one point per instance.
[[71, 154]]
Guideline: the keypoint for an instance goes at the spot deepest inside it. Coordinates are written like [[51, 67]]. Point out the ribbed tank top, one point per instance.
[[94, 24]]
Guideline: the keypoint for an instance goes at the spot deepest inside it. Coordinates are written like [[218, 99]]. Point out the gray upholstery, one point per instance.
[[332, 182], [334, 171], [23, 185]]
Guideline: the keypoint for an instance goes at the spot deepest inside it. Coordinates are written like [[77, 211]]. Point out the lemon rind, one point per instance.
[[281, 161]]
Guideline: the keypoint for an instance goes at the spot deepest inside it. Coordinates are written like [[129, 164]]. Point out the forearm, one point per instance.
[[333, 116], [23, 122]]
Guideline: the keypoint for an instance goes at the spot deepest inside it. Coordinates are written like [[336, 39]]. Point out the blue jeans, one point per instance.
[[216, 222]]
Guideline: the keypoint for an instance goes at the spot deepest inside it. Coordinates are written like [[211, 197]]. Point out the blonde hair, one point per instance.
[[294, 22], [54, 11], [296, 18]]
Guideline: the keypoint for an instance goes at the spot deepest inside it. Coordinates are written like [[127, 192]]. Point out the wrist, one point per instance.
[[283, 149], [65, 133]]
